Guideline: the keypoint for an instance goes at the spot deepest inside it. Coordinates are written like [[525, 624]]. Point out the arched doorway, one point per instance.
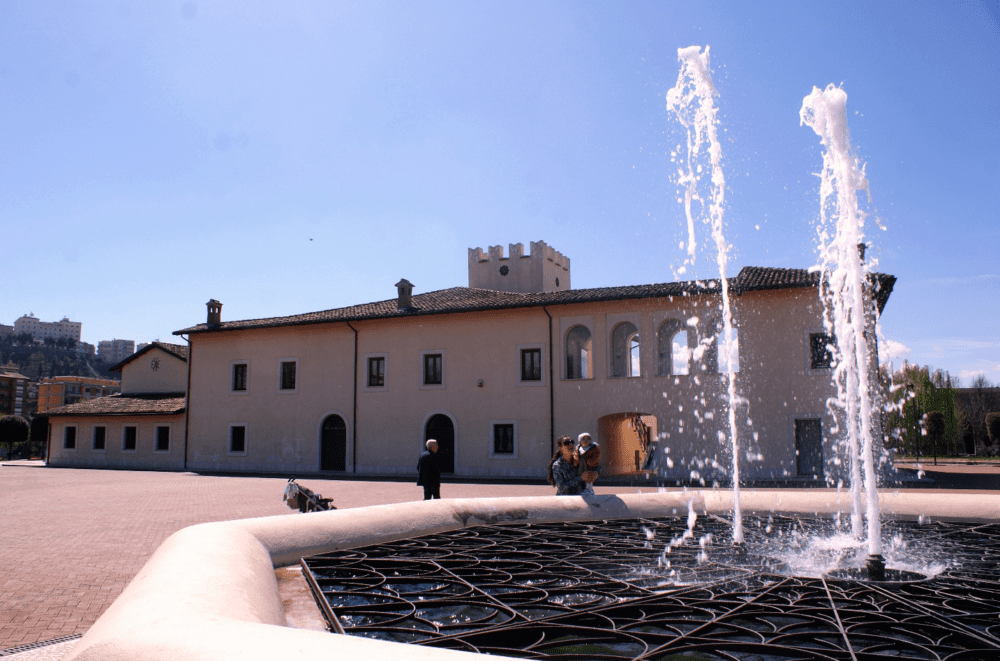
[[333, 444], [442, 429]]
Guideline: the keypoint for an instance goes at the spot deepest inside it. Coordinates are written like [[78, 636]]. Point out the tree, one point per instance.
[[975, 402], [993, 429], [13, 430], [934, 428], [914, 391]]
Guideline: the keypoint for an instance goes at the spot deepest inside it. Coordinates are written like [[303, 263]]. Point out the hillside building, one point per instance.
[[115, 351], [64, 329]]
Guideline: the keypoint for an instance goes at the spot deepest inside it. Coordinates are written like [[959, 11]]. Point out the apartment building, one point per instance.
[[115, 351], [62, 390]]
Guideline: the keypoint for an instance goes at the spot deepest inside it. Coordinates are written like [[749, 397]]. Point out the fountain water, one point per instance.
[[844, 278], [692, 100]]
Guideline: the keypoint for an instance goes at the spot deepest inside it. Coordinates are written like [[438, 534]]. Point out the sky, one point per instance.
[[289, 157]]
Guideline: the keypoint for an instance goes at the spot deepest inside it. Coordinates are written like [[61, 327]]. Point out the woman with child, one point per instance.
[[575, 466]]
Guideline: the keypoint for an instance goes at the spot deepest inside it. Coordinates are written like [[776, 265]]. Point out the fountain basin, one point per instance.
[[209, 592]]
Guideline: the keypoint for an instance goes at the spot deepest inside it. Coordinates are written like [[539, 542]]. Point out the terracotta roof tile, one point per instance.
[[467, 299], [759, 278], [132, 404]]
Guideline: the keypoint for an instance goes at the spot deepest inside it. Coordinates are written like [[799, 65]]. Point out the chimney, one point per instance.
[[214, 313], [405, 289]]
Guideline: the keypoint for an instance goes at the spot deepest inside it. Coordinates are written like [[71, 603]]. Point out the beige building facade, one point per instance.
[[143, 427], [496, 374]]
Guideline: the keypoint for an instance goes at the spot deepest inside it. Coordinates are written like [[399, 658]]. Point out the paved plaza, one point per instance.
[[71, 539]]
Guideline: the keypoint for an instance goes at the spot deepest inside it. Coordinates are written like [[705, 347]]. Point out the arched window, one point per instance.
[[633, 356], [579, 354], [624, 337], [729, 350], [673, 353]]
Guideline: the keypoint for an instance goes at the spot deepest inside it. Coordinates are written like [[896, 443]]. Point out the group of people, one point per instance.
[[572, 470], [575, 466]]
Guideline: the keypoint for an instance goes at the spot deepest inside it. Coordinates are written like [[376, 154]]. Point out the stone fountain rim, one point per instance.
[[209, 591]]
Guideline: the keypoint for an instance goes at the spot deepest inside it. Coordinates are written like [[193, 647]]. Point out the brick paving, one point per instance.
[[71, 539]]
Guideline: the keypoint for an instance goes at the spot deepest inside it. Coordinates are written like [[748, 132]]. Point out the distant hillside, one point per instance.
[[40, 362]]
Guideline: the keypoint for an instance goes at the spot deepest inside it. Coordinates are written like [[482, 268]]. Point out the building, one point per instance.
[[115, 351], [140, 427], [6, 331], [16, 392], [495, 371], [62, 390], [64, 329]]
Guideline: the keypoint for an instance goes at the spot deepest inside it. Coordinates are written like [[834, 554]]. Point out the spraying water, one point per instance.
[[842, 285], [692, 100]]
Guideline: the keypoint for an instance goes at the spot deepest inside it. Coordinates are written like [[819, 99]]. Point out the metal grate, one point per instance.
[[603, 591]]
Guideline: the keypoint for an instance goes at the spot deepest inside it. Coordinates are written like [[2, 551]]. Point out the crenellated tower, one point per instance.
[[544, 270]]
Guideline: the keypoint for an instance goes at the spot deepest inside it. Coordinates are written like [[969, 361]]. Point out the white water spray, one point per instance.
[[844, 278], [692, 100]]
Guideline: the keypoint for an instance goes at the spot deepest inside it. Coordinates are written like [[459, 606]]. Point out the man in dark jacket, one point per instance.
[[429, 471]]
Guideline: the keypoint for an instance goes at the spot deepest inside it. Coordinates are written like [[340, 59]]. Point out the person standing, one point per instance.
[[589, 454], [429, 471]]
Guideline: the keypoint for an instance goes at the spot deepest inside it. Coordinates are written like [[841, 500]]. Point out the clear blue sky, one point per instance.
[[287, 157]]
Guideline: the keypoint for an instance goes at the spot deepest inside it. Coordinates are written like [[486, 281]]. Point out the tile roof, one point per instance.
[[760, 278], [132, 404], [468, 299], [176, 350]]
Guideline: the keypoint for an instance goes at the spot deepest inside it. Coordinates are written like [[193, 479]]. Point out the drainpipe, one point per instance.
[[552, 404], [354, 422], [48, 442], [187, 405]]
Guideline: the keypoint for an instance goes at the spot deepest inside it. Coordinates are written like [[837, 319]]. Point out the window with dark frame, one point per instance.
[[162, 439], [238, 438], [100, 434], [376, 372], [129, 438], [240, 377], [531, 364], [503, 439], [821, 351], [432, 369], [69, 438], [288, 375]]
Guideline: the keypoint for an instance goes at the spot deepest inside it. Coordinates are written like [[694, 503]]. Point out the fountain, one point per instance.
[[842, 284], [616, 590], [641, 576], [692, 100]]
